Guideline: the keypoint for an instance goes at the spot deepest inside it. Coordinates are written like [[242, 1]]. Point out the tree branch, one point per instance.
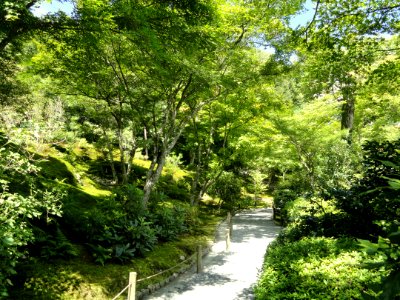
[[312, 21]]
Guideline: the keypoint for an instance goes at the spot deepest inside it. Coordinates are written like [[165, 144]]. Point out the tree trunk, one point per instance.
[[348, 117], [111, 157], [122, 156], [146, 150], [348, 109], [132, 153], [194, 193], [112, 165], [153, 175]]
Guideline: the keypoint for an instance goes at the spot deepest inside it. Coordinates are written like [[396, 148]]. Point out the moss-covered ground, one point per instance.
[[79, 171], [79, 278]]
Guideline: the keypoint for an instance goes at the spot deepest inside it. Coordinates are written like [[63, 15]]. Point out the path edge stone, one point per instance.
[[148, 290]]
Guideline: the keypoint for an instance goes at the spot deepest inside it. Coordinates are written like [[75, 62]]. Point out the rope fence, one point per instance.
[[165, 271], [131, 287], [121, 292]]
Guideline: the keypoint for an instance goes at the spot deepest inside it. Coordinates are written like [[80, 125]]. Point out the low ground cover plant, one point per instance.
[[316, 268]]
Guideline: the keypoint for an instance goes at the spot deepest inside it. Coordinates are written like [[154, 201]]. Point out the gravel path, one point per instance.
[[227, 275]]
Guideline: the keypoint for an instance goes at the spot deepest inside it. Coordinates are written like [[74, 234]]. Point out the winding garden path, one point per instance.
[[228, 275]]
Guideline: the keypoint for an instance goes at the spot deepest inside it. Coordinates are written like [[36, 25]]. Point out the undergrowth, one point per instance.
[[103, 233], [80, 278], [316, 268]]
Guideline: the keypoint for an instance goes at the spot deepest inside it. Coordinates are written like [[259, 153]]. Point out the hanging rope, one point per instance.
[[121, 292]]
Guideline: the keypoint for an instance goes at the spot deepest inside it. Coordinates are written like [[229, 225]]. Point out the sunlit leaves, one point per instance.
[[17, 208]]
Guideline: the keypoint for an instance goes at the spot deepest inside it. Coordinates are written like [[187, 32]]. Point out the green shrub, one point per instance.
[[177, 189], [116, 228], [123, 240], [171, 221], [51, 245], [130, 197], [156, 198], [315, 268], [228, 188], [370, 200], [192, 219], [19, 210], [246, 202], [283, 195], [142, 233], [313, 217], [387, 247]]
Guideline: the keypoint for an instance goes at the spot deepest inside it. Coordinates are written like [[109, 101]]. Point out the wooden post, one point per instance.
[[199, 259], [132, 286], [228, 239], [230, 223]]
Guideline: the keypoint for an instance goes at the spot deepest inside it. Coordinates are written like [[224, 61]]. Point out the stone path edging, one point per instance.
[[154, 287]]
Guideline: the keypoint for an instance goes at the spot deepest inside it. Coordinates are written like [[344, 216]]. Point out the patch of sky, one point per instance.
[[48, 7], [303, 17], [45, 7]]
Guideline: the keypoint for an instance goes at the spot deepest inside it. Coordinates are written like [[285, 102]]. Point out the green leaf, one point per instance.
[[383, 243], [394, 237], [368, 247], [394, 184], [8, 241], [391, 286], [390, 164]]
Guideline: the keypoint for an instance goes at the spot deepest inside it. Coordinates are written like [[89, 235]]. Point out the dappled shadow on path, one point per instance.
[[228, 274], [203, 279], [254, 226]]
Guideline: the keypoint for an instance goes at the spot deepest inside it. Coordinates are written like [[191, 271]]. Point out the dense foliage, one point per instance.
[[120, 121], [344, 185], [19, 209], [316, 226], [371, 200], [315, 268]]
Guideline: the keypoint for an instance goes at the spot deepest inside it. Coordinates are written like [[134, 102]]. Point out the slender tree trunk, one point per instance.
[[146, 150], [111, 157], [112, 165], [150, 178], [194, 193], [122, 156], [201, 159], [153, 176], [348, 110], [193, 190], [347, 121], [157, 165], [132, 153], [169, 131]]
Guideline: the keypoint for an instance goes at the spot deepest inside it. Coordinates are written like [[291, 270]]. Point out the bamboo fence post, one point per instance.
[[228, 239], [230, 223], [132, 286], [199, 259]]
